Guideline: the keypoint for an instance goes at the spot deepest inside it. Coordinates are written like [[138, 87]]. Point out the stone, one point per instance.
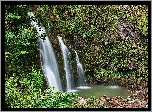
[[129, 99], [139, 87], [82, 101]]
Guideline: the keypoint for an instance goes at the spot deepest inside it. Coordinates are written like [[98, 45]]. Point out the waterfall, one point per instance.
[[82, 78], [65, 53], [48, 60], [80, 71]]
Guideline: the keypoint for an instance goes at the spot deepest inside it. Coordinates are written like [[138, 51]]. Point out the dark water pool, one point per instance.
[[100, 90]]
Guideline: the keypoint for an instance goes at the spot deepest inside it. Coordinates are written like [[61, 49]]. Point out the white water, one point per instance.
[[83, 87], [48, 60], [113, 87], [72, 91], [65, 53], [82, 79]]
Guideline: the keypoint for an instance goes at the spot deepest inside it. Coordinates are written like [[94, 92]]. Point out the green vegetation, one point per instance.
[[101, 50], [23, 76], [95, 26]]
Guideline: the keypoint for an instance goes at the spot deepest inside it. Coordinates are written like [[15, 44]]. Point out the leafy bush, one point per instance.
[[34, 98]]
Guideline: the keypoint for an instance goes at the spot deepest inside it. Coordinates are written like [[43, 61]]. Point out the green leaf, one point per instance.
[[10, 15], [24, 52], [7, 53], [9, 35]]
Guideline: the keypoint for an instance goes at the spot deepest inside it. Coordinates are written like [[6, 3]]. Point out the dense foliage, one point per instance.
[[90, 29], [95, 26], [23, 77], [94, 29]]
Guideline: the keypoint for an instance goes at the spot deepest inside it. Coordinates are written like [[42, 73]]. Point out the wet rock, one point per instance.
[[98, 81], [130, 82], [146, 105], [130, 87], [130, 102], [107, 99], [139, 87], [129, 99], [82, 101], [138, 82]]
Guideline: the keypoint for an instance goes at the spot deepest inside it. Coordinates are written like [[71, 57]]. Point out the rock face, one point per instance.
[[125, 29]]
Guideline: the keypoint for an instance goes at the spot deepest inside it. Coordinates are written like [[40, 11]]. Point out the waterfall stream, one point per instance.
[[50, 68], [65, 53], [49, 64], [48, 60], [80, 71]]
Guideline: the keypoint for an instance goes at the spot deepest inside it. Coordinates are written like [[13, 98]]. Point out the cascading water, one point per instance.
[[48, 60], [82, 78], [65, 53]]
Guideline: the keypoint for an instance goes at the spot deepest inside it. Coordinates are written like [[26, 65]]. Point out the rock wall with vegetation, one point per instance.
[[106, 45], [94, 31]]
